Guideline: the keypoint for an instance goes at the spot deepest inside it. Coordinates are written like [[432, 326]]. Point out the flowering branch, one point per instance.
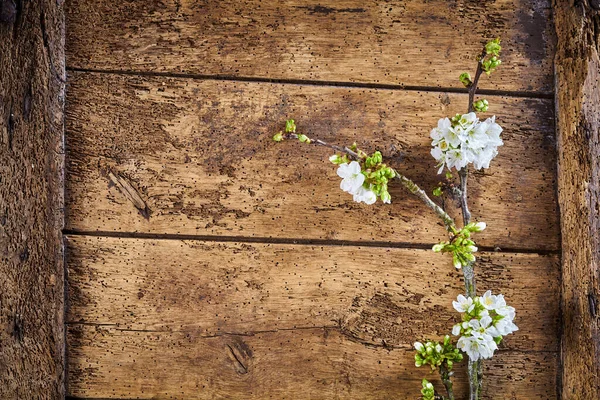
[[408, 184], [491, 49], [457, 142]]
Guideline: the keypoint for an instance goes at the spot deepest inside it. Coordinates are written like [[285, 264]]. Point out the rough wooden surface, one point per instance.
[[181, 156], [377, 295], [411, 43], [578, 114], [316, 363], [31, 168]]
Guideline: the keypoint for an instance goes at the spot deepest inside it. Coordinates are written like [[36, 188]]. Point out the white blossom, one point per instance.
[[465, 141], [506, 326], [489, 301], [456, 329], [418, 346], [477, 346], [365, 195], [463, 304], [352, 177]]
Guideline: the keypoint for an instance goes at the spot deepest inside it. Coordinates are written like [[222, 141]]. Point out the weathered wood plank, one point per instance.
[[411, 43], [32, 73], [376, 295], [578, 128], [182, 156], [300, 364]]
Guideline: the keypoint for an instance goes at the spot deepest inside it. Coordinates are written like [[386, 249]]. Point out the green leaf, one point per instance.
[[278, 137], [290, 126], [465, 79], [437, 192], [493, 47]]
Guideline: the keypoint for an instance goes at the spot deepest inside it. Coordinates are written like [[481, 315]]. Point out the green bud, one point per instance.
[[437, 192], [278, 137], [438, 247], [493, 47], [481, 105], [448, 175], [290, 126], [385, 196], [303, 138], [336, 159], [465, 79]]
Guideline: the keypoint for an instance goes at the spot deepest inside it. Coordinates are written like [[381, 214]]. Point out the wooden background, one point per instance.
[[205, 261]]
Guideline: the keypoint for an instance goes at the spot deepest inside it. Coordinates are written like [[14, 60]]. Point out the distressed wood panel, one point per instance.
[[32, 89], [578, 129], [300, 364], [376, 295], [182, 156], [382, 42]]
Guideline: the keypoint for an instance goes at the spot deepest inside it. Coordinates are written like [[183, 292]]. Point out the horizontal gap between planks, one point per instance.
[[304, 242], [300, 328], [381, 86]]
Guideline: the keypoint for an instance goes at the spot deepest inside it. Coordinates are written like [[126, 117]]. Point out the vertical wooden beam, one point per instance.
[[32, 77], [577, 68]]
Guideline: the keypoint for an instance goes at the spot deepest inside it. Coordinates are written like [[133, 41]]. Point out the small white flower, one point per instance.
[[489, 301], [506, 311], [483, 326], [505, 326], [477, 346], [462, 303], [365, 195], [480, 226], [352, 178], [418, 346]]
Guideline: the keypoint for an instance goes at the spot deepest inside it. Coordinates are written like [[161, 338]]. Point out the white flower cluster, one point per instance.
[[352, 182], [461, 141], [486, 319]]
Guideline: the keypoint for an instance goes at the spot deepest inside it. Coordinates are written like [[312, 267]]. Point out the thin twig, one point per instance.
[[404, 181], [473, 85], [475, 367], [445, 375]]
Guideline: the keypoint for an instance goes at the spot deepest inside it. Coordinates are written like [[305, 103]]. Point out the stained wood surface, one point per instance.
[[578, 115], [410, 43], [32, 336], [377, 295], [310, 363], [195, 157]]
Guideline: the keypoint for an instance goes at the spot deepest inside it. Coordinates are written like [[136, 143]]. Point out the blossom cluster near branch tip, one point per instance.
[[465, 140], [485, 320]]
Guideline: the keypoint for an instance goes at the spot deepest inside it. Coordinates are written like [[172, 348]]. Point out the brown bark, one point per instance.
[[31, 201], [578, 115]]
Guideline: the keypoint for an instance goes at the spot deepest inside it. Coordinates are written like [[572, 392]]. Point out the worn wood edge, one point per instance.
[[311, 363], [32, 91], [577, 67], [91, 207], [376, 295], [327, 42]]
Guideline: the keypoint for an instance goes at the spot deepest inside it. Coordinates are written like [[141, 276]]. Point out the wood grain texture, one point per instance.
[[411, 43], [301, 364], [198, 158], [32, 77], [578, 115], [378, 296]]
